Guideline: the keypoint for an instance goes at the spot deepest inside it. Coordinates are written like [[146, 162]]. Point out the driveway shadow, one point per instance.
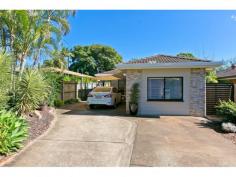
[[83, 109], [214, 125]]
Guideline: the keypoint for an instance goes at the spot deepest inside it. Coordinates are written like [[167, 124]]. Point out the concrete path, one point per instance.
[[82, 140]]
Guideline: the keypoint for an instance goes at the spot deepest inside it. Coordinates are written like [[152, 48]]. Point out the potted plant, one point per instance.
[[134, 97]]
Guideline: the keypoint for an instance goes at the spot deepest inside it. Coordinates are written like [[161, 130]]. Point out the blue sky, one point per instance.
[[134, 34]]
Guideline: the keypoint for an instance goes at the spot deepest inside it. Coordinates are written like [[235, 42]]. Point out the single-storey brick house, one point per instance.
[[169, 85]]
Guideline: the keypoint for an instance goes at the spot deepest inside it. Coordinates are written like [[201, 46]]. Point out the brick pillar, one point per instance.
[[198, 92]]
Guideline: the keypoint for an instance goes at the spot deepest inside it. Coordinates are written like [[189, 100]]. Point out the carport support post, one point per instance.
[[234, 91], [62, 93], [233, 81], [76, 90]]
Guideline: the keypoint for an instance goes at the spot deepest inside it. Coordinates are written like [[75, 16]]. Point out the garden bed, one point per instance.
[[39, 123]]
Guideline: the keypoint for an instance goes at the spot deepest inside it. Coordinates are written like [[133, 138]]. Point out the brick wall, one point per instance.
[[197, 92]]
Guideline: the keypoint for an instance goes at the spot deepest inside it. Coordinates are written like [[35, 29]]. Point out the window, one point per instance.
[[165, 89]]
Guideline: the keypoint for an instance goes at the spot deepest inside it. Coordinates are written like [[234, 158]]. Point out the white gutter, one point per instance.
[[170, 65]]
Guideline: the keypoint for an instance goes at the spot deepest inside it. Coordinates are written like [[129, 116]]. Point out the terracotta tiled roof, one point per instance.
[[164, 59], [229, 72]]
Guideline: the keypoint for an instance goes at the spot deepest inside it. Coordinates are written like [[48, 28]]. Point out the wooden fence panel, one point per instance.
[[215, 93], [69, 90]]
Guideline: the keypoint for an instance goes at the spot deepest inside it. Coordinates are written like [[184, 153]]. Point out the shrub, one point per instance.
[[227, 109], [54, 80], [32, 91], [211, 77], [229, 127], [13, 132], [58, 103], [134, 96], [72, 101], [5, 79]]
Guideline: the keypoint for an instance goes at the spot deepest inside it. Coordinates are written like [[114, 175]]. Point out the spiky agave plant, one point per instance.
[[32, 90]]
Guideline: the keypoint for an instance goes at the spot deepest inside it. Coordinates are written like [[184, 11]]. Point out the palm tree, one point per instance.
[[27, 34], [66, 53], [57, 60], [54, 25], [9, 32]]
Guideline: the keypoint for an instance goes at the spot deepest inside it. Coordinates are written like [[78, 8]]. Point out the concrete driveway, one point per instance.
[[106, 137], [82, 140], [181, 141]]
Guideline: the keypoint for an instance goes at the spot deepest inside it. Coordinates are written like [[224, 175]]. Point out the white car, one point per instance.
[[104, 96]]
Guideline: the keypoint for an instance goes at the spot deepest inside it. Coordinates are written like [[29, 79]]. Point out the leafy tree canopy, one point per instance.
[[189, 55], [94, 59], [28, 34], [59, 59], [211, 77]]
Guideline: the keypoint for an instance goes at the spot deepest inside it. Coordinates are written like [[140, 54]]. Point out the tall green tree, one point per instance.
[[5, 63], [186, 54], [58, 59], [29, 33], [67, 54], [94, 59]]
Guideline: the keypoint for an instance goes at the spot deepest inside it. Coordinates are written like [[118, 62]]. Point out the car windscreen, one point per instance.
[[102, 89]]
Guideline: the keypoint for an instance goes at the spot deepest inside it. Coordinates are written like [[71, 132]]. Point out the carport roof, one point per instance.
[[68, 72], [114, 74]]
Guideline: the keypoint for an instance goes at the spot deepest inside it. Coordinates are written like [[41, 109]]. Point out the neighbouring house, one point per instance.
[[169, 85], [228, 74]]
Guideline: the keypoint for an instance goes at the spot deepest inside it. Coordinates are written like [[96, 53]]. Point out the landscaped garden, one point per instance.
[[225, 120], [27, 91], [227, 110]]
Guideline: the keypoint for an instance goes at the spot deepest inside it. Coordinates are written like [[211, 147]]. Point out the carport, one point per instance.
[[114, 78]]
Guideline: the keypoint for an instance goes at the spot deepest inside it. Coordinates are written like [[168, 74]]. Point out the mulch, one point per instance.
[[39, 124]]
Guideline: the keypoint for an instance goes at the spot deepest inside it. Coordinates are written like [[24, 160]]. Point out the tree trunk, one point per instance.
[[36, 58], [13, 63], [22, 66], [23, 62]]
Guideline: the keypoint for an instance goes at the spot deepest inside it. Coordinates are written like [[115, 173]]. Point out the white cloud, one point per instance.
[[233, 17]]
